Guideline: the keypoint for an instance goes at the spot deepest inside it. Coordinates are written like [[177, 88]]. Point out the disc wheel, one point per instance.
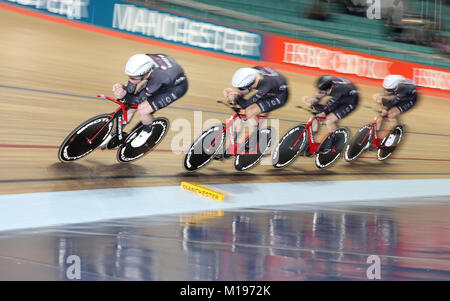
[[359, 144], [288, 149], [204, 148], [326, 160], [253, 149], [390, 143], [127, 153], [79, 142]]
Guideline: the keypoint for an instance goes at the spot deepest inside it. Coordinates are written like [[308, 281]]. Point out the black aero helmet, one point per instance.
[[324, 82]]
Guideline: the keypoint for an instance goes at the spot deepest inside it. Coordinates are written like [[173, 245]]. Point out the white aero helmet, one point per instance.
[[244, 78], [391, 81], [138, 65]]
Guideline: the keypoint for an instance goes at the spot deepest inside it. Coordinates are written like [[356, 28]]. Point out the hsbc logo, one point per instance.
[[326, 59]]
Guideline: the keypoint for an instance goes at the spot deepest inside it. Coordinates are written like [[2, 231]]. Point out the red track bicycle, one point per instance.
[[300, 139], [366, 139], [247, 153], [89, 135]]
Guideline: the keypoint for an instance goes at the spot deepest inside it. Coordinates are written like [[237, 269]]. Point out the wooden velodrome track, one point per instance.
[[50, 73]]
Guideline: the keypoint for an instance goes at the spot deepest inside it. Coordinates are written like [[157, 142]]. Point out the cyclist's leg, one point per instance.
[[332, 121], [267, 105], [104, 145], [309, 101], [238, 125], [264, 105], [379, 119], [252, 112], [270, 103], [130, 114], [156, 102], [145, 111], [394, 112], [339, 113], [167, 96], [400, 108], [392, 115]]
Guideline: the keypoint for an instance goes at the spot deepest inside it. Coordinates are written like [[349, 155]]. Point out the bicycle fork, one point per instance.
[[313, 146], [376, 142]]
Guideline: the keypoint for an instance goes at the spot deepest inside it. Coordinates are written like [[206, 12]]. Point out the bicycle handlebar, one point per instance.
[[122, 104], [372, 108], [307, 110], [236, 109]]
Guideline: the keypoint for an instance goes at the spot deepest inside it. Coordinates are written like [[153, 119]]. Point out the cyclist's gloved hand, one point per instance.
[[230, 95], [119, 91]]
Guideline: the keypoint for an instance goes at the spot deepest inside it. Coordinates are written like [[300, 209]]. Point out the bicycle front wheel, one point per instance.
[[326, 160], [253, 149], [81, 141]]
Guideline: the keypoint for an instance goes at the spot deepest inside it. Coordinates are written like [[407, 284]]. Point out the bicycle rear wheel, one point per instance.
[[284, 154], [326, 160], [390, 143], [128, 153], [359, 144], [259, 142], [78, 145], [204, 148]]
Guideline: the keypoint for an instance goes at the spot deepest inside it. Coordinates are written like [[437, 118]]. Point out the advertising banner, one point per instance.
[[147, 22], [292, 52], [155, 24]]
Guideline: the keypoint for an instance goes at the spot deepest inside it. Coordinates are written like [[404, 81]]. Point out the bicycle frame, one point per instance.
[[376, 142], [233, 146], [120, 114], [313, 146]]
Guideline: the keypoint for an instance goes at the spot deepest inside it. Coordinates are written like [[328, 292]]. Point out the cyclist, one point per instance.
[[399, 96], [344, 97], [259, 90], [154, 82]]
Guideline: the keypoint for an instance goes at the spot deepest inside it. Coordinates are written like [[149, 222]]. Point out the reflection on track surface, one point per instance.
[[300, 242]]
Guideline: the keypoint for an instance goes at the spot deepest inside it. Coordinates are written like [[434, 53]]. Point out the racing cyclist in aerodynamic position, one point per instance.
[[154, 82], [259, 90], [399, 96], [344, 97]]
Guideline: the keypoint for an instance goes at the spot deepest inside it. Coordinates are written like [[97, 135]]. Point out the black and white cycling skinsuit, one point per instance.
[[166, 84], [344, 98], [405, 96], [271, 92]]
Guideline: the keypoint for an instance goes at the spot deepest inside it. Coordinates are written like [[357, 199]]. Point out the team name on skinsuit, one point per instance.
[[233, 290]]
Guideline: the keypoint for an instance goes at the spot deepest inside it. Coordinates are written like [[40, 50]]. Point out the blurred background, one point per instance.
[[389, 28], [54, 63]]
